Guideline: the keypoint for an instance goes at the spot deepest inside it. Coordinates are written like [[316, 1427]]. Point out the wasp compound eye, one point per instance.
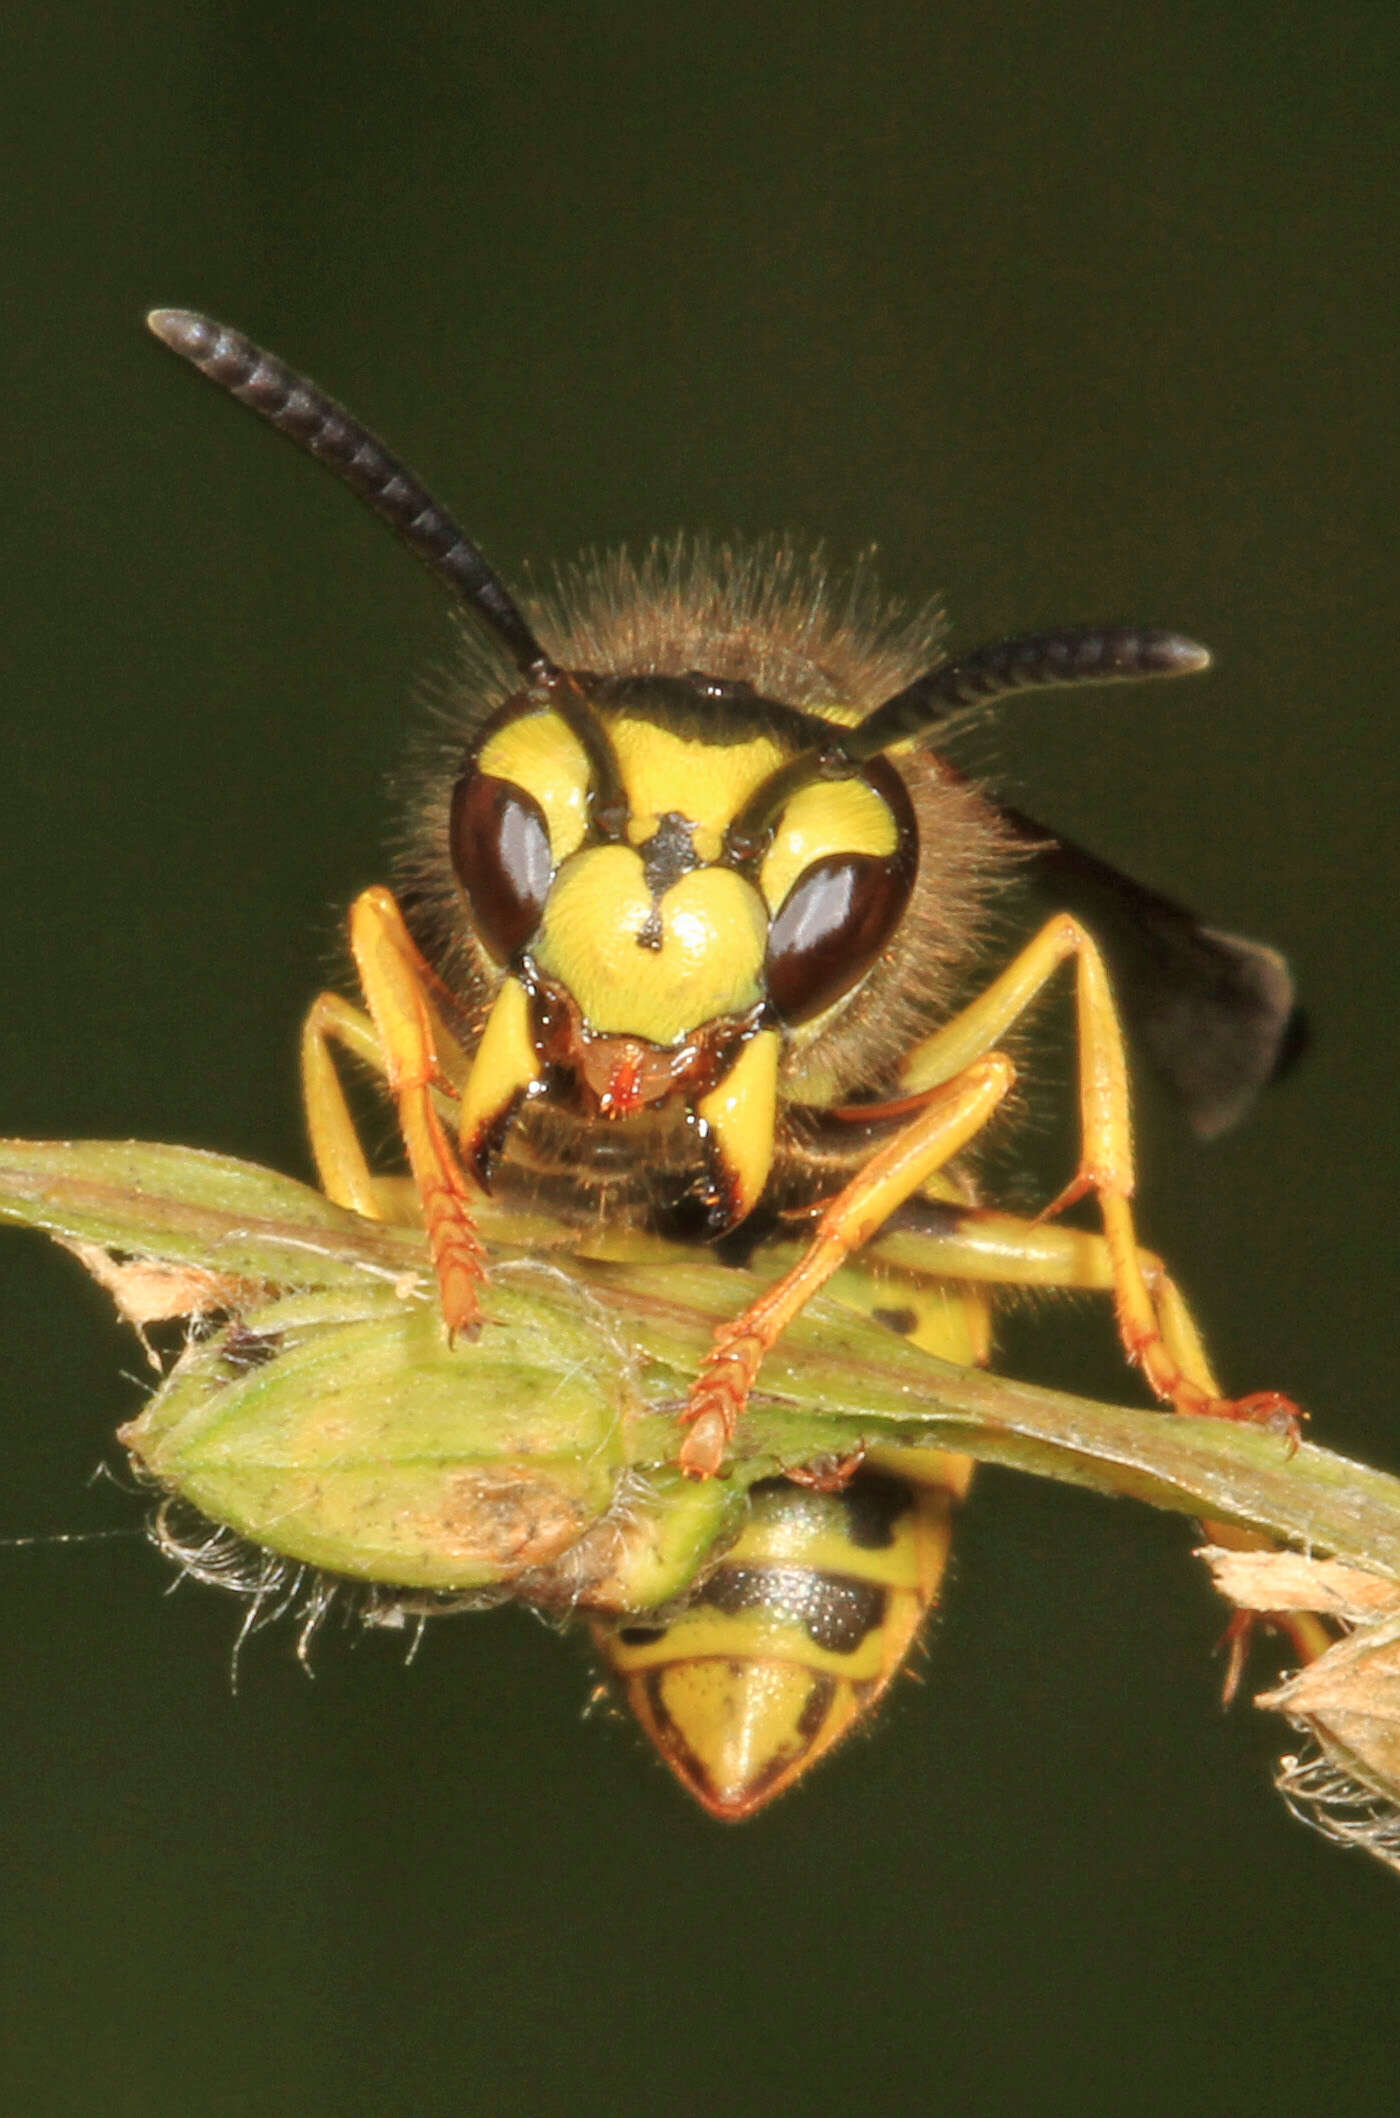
[[845, 854], [501, 854], [830, 928], [521, 806]]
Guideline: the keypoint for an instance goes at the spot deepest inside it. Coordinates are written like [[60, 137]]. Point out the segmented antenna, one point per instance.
[[307, 416], [1091, 654], [1111, 654]]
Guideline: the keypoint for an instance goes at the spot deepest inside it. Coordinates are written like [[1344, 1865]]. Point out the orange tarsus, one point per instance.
[[1234, 1643], [1272, 1409], [718, 1398], [1265, 1408], [1299, 1628], [458, 1260], [829, 1474], [703, 1449], [1079, 1187]]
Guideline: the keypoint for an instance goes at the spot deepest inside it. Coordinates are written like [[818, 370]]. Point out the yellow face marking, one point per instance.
[[742, 1114], [707, 783], [713, 931], [503, 1068], [830, 816], [540, 753]]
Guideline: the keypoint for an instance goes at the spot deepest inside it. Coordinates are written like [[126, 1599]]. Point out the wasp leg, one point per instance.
[[947, 1319], [981, 1246], [341, 1164], [976, 1245], [343, 1168], [940, 1131], [1106, 1154], [404, 1039]]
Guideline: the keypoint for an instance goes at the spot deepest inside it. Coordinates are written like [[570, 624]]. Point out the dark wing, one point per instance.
[[1215, 1013]]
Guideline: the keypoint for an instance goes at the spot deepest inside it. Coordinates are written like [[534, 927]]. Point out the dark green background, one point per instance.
[[1079, 312]]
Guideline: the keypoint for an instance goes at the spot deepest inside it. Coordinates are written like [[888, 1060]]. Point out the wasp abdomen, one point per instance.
[[789, 1640]]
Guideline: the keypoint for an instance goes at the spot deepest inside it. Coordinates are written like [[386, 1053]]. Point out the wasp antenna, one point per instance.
[[1095, 654], [307, 416]]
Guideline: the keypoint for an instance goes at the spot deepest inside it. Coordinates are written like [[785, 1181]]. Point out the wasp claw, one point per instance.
[[1275, 1412], [703, 1450], [828, 1474], [1269, 1409]]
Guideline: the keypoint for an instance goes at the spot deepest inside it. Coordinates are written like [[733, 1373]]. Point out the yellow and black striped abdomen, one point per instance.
[[790, 1639]]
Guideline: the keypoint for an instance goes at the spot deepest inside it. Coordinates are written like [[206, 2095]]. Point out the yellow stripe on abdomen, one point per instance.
[[771, 1661]]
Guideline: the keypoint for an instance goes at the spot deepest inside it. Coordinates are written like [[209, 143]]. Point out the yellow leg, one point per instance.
[[940, 1131], [980, 1245], [344, 1171], [341, 1165], [954, 1061], [415, 1052], [1106, 1152]]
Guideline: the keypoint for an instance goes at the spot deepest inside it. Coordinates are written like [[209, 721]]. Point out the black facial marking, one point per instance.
[[669, 853], [717, 711], [651, 934], [727, 688]]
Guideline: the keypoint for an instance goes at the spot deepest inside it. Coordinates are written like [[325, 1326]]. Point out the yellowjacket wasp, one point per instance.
[[678, 956]]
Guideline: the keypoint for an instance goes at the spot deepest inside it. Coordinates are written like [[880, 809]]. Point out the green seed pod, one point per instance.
[[352, 1436]]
